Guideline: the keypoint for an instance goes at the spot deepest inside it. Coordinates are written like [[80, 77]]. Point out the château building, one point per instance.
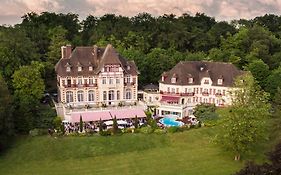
[[96, 83], [193, 82], [95, 76]]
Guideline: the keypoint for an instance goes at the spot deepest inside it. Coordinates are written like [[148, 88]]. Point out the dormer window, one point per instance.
[[79, 65], [79, 69], [91, 68], [190, 80], [128, 67], [220, 80], [68, 69], [206, 81], [173, 80]]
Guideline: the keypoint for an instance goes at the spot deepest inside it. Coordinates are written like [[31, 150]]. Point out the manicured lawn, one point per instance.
[[189, 152]]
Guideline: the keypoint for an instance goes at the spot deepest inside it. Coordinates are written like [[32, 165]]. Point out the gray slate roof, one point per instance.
[[97, 58], [200, 69]]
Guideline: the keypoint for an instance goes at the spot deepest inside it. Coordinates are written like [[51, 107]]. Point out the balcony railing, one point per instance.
[[80, 85], [218, 94], [177, 94], [205, 93], [129, 84]]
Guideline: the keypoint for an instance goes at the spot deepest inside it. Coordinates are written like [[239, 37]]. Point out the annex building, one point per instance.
[[193, 82]]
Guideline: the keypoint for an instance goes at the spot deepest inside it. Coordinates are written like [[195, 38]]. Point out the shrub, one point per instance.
[[57, 123], [127, 130], [38, 132], [185, 127], [105, 133], [146, 130], [160, 131], [174, 129]]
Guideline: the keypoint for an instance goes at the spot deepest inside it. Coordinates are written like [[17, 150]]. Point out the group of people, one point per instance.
[[93, 126], [75, 127]]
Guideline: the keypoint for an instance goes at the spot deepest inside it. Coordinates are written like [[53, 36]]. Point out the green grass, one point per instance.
[[189, 152]]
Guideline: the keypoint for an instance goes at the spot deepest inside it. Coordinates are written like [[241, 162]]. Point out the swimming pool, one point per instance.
[[170, 120]]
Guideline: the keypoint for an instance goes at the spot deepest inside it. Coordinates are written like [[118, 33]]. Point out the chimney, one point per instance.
[[63, 51], [96, 54], [66, 51]]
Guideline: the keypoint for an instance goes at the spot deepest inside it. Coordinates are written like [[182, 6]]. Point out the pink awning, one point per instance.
[[170, 99], [107, 115]]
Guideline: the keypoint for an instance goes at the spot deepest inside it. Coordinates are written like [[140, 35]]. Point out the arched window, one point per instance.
[[91, 95], [111, 95], [128, 94], [69, 96], [80, 96]]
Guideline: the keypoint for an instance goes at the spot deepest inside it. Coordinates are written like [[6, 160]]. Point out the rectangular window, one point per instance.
[[128, 79], [103, 80], [104, 95], [118, 95], [168, 89], [79, 81], [91, 81], [117, 81], [110, 80]]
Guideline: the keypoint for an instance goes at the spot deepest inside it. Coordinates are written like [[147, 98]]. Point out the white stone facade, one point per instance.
[[109, 88]]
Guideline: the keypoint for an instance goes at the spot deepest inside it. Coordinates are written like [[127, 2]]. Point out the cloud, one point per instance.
[[220, 9]]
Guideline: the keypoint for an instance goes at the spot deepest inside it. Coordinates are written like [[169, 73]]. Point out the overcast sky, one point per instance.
[[12, 10]]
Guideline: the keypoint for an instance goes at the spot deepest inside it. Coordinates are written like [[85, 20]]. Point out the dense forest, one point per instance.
[[30, 50]]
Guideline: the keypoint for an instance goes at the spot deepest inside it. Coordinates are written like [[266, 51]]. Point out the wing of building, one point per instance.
[[95, 77], [192, 82]]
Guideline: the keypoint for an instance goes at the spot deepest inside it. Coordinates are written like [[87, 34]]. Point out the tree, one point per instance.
[[244, 122], [16, 50], [205, 112], [277, 103], [272, 168], [260, 71], [273, 81], [81, 124], [136, 122], [6, 117], [29, 88], [100, 126], [58, 39], [115, 126]]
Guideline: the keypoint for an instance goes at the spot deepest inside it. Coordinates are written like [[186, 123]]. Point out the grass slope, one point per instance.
[[189, 152]]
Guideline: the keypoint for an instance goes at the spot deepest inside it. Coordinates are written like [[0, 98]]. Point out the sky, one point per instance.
[[222, 10]]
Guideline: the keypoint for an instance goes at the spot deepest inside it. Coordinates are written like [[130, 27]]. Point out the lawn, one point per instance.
[[189, 152]]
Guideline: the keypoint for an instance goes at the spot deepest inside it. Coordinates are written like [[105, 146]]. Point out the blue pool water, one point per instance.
[[170, 121]]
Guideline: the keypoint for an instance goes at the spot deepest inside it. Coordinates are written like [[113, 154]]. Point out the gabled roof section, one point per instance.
[[97, 58], [201, 69]]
